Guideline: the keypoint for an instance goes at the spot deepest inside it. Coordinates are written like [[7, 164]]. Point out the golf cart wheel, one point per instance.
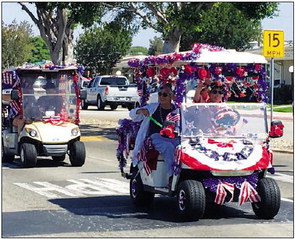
[[100, 105], [270, 195], [28, 155], [77, 154], [59, 158], [191, 200], [84, 105], [113, 107], [137, 193]]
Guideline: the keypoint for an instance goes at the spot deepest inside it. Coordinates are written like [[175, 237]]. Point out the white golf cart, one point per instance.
[[46, 101], [224, 154]]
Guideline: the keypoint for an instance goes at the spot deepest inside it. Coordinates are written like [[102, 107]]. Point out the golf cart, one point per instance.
[[45, 100], [224, 154]]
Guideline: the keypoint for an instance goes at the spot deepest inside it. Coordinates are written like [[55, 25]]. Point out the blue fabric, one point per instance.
[[166, 147]]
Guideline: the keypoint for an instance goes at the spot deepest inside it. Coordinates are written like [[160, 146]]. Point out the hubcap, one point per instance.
[[181, 200], [133, 188], [22, 155]]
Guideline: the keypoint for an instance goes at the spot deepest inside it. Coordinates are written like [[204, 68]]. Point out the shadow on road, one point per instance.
[[94, 130], [120, 207]]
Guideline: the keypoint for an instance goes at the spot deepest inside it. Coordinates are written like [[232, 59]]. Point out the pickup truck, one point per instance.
[[111, 90]]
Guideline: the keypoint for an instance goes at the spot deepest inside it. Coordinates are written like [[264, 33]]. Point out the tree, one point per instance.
[[173, 19], [138, 50], [101, 47], [40, 50], [16, 43], [156, 46], [224, 25], [56, 22]]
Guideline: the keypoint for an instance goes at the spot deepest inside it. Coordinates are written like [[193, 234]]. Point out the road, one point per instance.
[[57, 200]]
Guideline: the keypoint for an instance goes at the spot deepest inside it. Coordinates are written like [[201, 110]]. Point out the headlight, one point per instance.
[[31, 132], [75, 131]]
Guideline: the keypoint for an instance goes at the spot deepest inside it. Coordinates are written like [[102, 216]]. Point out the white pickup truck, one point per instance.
[[111, 90]]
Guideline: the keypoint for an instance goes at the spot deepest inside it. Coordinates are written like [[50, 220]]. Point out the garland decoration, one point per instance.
[[235, 78]]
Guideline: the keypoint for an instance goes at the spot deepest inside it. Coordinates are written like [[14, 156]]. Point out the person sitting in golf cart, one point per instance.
[[51, 101], [151, 128], [215, 95]]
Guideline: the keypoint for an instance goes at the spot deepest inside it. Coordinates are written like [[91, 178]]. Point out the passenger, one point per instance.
[[159, 111], [216, 93]]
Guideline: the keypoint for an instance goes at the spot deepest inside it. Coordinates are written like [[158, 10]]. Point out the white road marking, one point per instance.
[[79, 188], [282, 177]]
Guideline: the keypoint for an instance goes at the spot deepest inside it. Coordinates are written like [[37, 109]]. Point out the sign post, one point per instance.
[[273, 47]]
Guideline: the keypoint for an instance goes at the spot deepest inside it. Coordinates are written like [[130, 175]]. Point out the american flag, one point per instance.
[[221, 192], [14, 109], [173, 116], [247, 192], [142, 155]]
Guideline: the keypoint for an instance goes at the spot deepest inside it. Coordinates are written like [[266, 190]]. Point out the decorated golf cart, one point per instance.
[[42, 116], [224, 153]]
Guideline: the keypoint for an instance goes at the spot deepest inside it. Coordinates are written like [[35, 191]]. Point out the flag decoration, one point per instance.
[[221, 192], [222, 186], [209, 154], [247, 192], [149, 163]]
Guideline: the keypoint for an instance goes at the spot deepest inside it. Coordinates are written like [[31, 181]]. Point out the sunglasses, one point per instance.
[[163, 94], [217, 92]]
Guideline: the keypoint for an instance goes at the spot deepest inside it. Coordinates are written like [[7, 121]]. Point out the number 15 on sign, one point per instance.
[[273, 44]]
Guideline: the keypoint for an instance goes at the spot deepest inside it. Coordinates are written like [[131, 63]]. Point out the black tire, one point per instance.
[[138, 195], [77, 154], [28, 155], [270, 195], [59, 158], [113, 107], [130, 107], [100, 105], [84, 105], [191, 200]]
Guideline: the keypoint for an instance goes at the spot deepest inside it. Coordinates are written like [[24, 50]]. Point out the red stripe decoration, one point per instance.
[[221, 192], [262, 162], [247, 192]]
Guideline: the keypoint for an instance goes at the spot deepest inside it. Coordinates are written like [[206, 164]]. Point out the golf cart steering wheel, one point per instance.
[[226, 117]]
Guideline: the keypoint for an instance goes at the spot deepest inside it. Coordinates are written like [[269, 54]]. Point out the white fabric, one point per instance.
[[143, 130]]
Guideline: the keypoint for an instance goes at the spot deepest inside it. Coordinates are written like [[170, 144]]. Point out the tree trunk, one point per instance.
[[68, 47], [172, 42]]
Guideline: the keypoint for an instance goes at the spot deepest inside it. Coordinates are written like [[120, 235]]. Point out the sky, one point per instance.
[[285, 22]]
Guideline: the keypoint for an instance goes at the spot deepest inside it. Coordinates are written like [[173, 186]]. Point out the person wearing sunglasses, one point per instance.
[[211, 94], [216, 94], [151, 128]]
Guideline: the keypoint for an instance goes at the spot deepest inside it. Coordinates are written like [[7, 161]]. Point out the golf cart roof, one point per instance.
[[200, 54]]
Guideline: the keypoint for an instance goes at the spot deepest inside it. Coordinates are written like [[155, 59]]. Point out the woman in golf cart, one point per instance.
[[151, 128]]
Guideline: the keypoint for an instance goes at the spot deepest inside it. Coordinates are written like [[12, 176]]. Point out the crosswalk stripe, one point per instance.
[[282, 177]]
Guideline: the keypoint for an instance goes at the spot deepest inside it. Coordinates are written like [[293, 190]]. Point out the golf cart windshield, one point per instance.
[[224, 120], [48, 94]]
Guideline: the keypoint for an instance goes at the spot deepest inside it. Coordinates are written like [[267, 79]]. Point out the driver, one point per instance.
[[159, 111], [52, 101]]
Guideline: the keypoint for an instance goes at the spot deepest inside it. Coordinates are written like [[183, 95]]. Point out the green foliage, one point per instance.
[[100, 48], [223, 25], [138, 50], [16, 43], [156, 46], [40, 50]]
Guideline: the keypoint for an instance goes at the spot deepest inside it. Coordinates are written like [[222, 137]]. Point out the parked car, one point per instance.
[[111, 90]]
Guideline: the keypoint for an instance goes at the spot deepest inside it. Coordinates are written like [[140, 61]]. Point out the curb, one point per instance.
[[282, 151]]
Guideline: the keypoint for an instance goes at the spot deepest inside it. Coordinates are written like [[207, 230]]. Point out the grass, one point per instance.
[[286, 109]]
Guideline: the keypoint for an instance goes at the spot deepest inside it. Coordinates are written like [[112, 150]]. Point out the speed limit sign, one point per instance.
[[273, 44]]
